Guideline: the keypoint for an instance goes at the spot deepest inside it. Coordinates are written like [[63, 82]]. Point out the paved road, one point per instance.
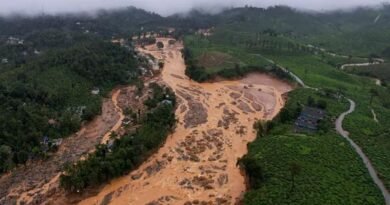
[[360, 64], [371, 170], [345, 134]]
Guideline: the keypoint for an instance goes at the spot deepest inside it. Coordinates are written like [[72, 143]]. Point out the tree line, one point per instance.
[[199, 73], [51, 95], [125, 153]]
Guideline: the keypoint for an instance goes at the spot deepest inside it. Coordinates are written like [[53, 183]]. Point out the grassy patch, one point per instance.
[[215, 61], [381, 71], [371, 136], [330, 172]]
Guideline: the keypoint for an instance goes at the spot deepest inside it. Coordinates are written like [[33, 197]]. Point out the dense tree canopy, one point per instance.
[[127, 152], [51, 95]]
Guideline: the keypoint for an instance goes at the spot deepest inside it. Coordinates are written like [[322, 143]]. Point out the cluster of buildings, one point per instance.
[[309, 119], [14, 41], [49, 144]]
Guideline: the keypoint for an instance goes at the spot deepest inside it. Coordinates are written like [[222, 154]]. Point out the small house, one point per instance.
[[12, 40], [110, 144], [167, 102], [95, 91], [56, 142], [309, 119], [126, 121], [45, 140]]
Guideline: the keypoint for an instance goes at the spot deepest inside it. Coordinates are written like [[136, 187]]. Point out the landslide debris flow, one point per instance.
[[198, 162]]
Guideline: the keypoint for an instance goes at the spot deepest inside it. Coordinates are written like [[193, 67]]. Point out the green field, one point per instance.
[[371, 136], [215, 61], [325, 162], [381, 71], [225, 56], [330, 171]]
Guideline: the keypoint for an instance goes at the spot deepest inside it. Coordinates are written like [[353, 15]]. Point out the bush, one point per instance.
[[160, 45]]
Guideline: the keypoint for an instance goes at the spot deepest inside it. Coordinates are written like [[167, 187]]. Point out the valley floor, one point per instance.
[[198, 163]]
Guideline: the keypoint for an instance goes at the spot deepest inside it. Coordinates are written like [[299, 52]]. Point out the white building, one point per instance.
[[95, 91], [4, 60]]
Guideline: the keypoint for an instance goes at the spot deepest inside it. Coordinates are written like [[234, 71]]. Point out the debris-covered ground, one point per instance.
[[38, 181], [198, 163]]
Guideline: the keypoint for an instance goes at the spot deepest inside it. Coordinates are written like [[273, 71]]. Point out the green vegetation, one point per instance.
[[338, 61], [215, 61], [371, 136], [207, 58], [285, 167], [336, 31], [282, 35], [51, 96], [381, 71], [160, 45], [127, 152], [45, 91]]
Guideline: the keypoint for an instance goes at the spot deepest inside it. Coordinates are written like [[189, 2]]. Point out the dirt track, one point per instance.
[[198, 161]]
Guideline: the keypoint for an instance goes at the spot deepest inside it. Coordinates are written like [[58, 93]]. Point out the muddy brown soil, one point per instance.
[[197, 164], [36, 181]]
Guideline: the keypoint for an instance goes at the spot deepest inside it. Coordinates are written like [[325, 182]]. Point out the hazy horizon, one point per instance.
[[32, 7]]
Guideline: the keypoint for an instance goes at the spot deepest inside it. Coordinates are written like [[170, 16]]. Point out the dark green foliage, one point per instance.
[[368, 134], [160, 45], [199, 73], [160, 95], [126, 153], [381, 72], [386, 53], [310, 101], [51, 95], [285, 115], [105, 23], [284, 167], [254, 171], [322, 104]]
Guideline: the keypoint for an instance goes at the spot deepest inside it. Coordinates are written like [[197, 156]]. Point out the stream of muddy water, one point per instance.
[[198, 162]]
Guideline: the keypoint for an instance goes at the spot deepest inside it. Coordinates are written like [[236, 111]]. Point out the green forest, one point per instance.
[[285, 167], [49, 64], [126, 152], [297, 42], [51, 95]]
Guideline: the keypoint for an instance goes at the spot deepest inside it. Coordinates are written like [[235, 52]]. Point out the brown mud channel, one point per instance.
[[197, 164], [37, 182]]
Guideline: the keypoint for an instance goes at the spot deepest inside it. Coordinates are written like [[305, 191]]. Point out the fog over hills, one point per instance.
[[168, 7]]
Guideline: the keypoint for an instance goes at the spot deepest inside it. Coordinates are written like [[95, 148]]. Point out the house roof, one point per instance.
[[309, 118]]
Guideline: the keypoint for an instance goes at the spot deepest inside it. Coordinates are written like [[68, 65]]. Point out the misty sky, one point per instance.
[[166, 7]]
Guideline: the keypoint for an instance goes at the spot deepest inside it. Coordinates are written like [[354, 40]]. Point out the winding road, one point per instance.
[[367, 163], [345, 134], [339, 124]]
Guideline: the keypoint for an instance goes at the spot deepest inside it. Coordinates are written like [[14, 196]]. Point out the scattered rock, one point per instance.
[[223, 179], [136, 176], [256, 106], [234, 95], [196, 115], [244, 107]]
